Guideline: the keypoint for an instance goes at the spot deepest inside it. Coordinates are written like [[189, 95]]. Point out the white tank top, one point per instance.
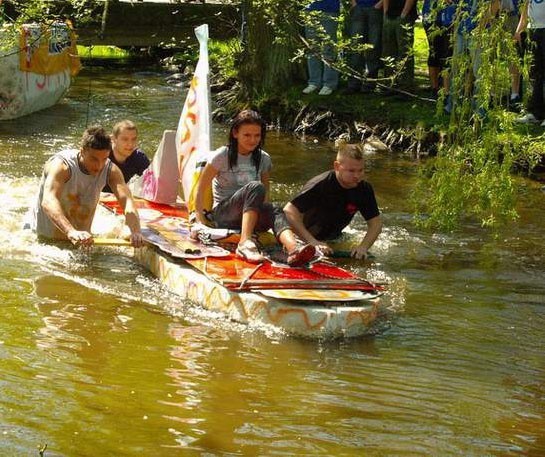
[[536, 14], [79, 198]]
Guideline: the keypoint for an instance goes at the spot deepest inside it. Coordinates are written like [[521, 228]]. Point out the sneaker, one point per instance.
[[515, 106], [528, 118], [248, 250], [325, 91], [309, 89]]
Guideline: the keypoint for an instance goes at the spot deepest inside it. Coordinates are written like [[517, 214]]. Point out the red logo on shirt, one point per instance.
[[351, 208]]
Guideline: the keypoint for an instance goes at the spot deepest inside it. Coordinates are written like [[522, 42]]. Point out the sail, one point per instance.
[[193, 133], [176, 156]]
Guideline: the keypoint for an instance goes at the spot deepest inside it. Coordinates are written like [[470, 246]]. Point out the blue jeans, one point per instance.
[[251, 197], [365, 22], [464, 44], [319, 73]]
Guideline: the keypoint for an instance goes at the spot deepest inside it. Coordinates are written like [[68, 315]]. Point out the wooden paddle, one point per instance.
[[111, 242]]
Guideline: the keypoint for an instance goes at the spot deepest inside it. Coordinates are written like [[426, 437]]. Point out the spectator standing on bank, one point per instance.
[[438, 26], [533, 16], [321, 34], [398, 40], [511, 10], [365, 25]]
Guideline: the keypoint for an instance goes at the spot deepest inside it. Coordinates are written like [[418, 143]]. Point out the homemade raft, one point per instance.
[[320, 300]]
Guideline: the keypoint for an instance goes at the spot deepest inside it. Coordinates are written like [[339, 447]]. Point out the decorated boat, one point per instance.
[[318, 300], [38, 64]]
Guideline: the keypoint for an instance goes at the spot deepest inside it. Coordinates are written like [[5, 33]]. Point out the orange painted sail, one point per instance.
[[176, 155], [193, 133]]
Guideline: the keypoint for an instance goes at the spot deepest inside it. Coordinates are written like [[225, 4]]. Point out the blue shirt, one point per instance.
[[366, 3], [327, 6]]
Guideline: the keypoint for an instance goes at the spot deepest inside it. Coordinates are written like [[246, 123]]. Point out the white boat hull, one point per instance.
[[25, 92], [304, 319]]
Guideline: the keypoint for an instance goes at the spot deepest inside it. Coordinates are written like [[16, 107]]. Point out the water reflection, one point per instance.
[[78, 327]]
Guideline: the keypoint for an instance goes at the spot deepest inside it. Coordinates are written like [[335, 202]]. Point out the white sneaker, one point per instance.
[[325, 91], [309, 89], [528, 118]]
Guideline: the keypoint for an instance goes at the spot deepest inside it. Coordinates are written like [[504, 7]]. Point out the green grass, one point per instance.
[[102, 52]]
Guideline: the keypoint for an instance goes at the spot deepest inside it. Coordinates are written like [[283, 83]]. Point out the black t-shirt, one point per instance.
[[328, 207], [135, 164]]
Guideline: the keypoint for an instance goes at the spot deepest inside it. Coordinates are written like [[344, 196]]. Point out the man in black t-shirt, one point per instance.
[[328, 202], [125, 154]]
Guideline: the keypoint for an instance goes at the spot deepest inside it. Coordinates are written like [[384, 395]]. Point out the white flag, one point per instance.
[[176, 157], [193, 133]]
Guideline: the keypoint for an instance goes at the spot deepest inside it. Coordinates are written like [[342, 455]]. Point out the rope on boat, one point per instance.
[[248, 277]]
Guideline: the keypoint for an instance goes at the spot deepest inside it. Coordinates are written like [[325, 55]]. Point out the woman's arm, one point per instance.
[[265, 179]]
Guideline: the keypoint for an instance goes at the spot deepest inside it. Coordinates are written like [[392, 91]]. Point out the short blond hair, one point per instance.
[[123, 125], [349, 151]]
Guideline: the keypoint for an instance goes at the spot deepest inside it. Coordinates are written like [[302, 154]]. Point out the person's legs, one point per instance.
[[457, 80], [373, 35], [314, 63], [298, 253], [406, 51], [434, 65], [330, 75], [510, 24], [242, 210], [389, 45], [535, 104], [230, 212], [355, 59]]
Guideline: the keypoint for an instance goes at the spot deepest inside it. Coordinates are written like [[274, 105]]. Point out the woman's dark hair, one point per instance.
[[245, 117]]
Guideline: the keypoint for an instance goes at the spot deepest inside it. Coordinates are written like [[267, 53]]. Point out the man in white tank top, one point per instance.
[[70, 191]]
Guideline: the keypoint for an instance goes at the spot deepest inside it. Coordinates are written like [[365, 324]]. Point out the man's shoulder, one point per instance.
[[66, 154], [325, 178], [61, 160], [138, 156], [315, 186], [139, 153], [365, 185]]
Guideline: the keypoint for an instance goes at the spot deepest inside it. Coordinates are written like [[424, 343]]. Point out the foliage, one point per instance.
[[103, 52], [268, 44], [471, 176], [472, 173], [46, 11]]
